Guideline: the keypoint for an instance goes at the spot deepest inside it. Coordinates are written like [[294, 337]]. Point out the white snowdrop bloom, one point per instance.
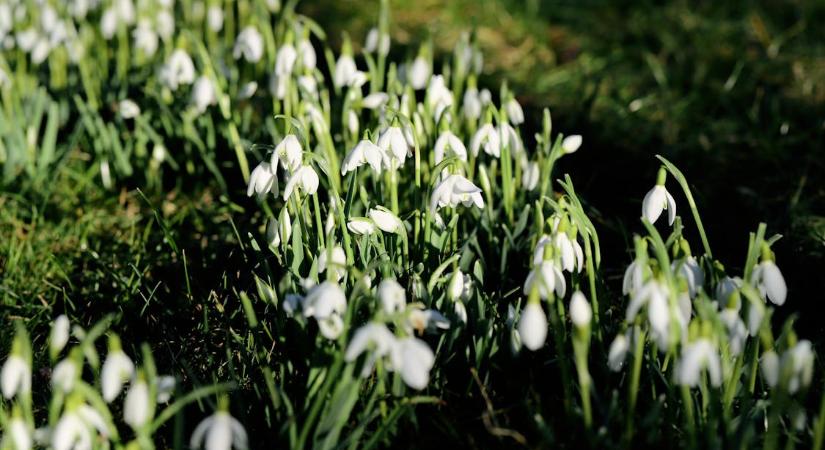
[[65, 374], [452, 191], [6, 21], [580, 311], [532, 326], [530, 176], [108, 23], [309, 85], [770, 367], [376, 339], [547, 278], [279, 85], [510, 138], [386, 220], [634, 277], [421, 320], [448, 143], [165, 388], [18, 435], [249, 45], [352, 123], [125, 11], [393, 145], [27, 39], [689, 269], [41, 50], [658, 315], [377, 41], [263, 180], [305, 179], [214, 18], [413, 359], [488, 138], [273, 5], [279, 230], [375, 100], [725, 288], [471, 104], [247, 90], [361, 226], [697, 357], [438, 97], [768, 278], [654, 295], [220, 431], [307, 53], [338, 260], [165, 24], [460, 311], [146, 40], [755, 315], [136, 405], [59, 335], [324, 300], [289, 153], [800, 358], [572, 258], [116, 369], [514, 111], [618, 352], [419, 73], [657, 200], [15, 377], [345, 71], [392, 295], [737, 331], [285, 60], [177, 70], [571, 143], [74, 429], [456, 287], [365, 152], [203, 94]]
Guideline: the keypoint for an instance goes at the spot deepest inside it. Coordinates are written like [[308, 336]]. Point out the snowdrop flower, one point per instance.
[[59, 336], [220, 431], [116, 369], [374, 337], [439, 97], [392, 295], [532, 326], [530, 176], [657, 200], [326, 303], [419, 72], [128, 109], [634, 277], [365, 152], [655, 296], [203, 94], [572, 257], [307, 52], [770, 367], [377, 41], [125, 11], [413, 359], [486, 137], [249, 45], [571, 143], [214, 18], [510, 139], [449, 142], [285, 60], [697, 357], [453, 191], [165, 24], [247, 90], [18, 436], [375, 100], [737, 331], [305, 179], [16, 376], [136, 405], [289, 153], [545, 277], [263, 180], [768, 278], [471, 104], [177, 70], [345, 71], [580, 311], [690, 270], [338, 259], [421, 320], [800, 359], [352, 123], [725, 288], [617, 353], [514, 112], [108, 23], [146, 40], [361, 226], [456, 287], [394, 147], [165, 388], [73, 430], [276, 230], [65, 374], [386, 220]]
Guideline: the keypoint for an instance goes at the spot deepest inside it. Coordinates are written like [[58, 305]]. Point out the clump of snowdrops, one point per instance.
[[413, 225]]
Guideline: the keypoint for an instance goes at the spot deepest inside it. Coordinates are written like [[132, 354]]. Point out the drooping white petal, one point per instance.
[[136, 405], [15, 377], [617, 353], [532, 326], [116, 369], [580, 311]]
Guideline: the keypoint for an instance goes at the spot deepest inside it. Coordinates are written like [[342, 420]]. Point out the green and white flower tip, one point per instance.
[[115, 371], [571, 144], [249, 45], [386, 221], [65, 374], [393, 297], [420, 70], [75, 427], [659, 199], [16, 374], [279, 230], [220, 431], [59, 336], [376, 41], [532, 326], [581, 314], [697, 357], [136, 406], [455, 289], [361, 226], [18, 435], [768, 278]]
